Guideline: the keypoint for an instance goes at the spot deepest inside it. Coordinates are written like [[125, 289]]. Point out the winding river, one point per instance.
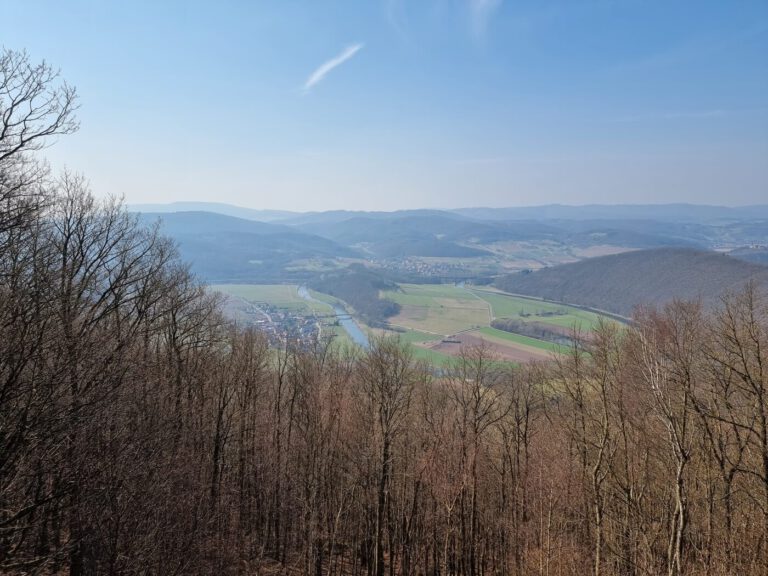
[[342, 316]]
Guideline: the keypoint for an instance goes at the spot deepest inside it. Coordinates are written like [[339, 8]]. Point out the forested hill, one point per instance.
[[225, 248], [142, 432], [620, 282]]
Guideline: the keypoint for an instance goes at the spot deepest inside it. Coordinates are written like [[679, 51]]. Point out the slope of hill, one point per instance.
[[359, 287], [660, 212], [351, 228], [620, 282], [397, 236], [202, 222], [756, 254], [216, 208], [227, 249], [334, 216], [426, 233], [429, 233], [420, 244]]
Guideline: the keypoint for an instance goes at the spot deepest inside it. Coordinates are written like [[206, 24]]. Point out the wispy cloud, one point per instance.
[[480, 13], [322, 71], [393, 10]]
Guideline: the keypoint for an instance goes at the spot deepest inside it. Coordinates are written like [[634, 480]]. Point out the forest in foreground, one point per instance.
[[143, 433]]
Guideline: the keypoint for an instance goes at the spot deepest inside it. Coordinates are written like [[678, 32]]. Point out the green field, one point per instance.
[[431, 356], [429, 312], [414, 336], [447, 309], [286, 296], [531, 310], [437, 309], [327, 298], [427, 294], [341, 338], [279, 295], [495, 335]]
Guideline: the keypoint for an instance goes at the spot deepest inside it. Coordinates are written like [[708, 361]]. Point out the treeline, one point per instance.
[[359, 287], [141, 433], [534, 329]]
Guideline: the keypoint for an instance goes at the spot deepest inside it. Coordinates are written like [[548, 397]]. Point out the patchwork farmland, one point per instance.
[[437, 319], [444, 318]]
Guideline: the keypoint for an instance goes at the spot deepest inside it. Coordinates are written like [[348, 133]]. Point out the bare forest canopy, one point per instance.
[[143, 433]]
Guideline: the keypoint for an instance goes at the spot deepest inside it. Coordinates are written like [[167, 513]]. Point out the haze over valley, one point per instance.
[[384, 288]]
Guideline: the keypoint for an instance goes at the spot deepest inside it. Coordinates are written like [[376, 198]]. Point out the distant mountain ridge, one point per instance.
[[223, 248], [618, 283], [214, 207], [463, 232], [698, 213], [680, 212], [275, 246]]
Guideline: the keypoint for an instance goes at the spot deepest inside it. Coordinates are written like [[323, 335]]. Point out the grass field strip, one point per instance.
[[471, 311], [434, 316]]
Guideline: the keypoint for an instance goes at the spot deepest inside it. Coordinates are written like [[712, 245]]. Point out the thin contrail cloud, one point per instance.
[[481, 12], [323, 70]]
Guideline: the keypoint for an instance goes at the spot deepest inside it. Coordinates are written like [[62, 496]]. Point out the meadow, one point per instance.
[[445, 309], [439, 309], [438, 319], [534, 310], [278, 295]]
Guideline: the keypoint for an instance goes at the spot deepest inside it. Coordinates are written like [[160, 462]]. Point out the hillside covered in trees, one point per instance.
[[230, 249], [620, 282], [359, 287], [142, 433]]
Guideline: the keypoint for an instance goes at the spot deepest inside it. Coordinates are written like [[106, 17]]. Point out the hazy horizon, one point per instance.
[[391, 105], [454, 208]]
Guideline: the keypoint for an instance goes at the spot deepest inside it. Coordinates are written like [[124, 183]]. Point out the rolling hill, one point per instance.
[[439, 233], [699, 213], [469, 232], [397, 236], [756, 254], [620, 282], [689, 213], [425, 244], [226, 249], [216, 208]]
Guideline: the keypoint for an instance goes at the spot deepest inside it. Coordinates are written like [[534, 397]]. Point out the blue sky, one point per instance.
[[387, 104]]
